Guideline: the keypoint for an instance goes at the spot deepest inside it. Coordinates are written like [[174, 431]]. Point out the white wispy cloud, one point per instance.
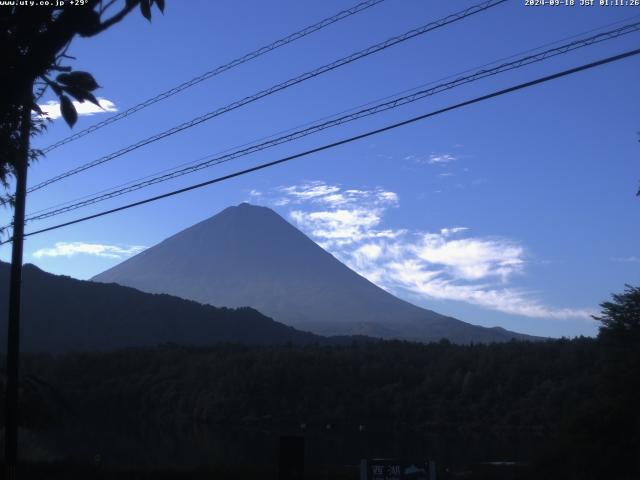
[[471, 270], [344, 215], [449, 264], [70, 249], [316, 191], [470, 258], [341, 226], [441, 158], [334, 196], [507, 300], [52, 108]]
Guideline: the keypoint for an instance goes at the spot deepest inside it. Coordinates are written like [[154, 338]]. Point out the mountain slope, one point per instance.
[[250, 256], [63, 314]]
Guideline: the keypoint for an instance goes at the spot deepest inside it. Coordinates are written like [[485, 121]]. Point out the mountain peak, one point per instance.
[[244, 210], [248, 255], [246, 207]]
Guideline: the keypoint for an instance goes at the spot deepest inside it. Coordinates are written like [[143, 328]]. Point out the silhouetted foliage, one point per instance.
[[619, 417], [605, 433], [620, 319], [35, 41]]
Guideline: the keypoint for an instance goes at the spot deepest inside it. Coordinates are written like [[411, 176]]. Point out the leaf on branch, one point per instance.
[[145, 8], [55, 87], [160, 4], [36, 108], [61, 69], [8, 200], [68, 110], [90, 24], [34, 154], [83, 80], [81, 95]]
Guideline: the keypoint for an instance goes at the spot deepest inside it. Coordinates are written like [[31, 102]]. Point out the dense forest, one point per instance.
[[396, 384], [556, 390], [579, 396]]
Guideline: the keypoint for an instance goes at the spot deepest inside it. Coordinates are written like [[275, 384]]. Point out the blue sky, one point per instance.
[[519, 211]]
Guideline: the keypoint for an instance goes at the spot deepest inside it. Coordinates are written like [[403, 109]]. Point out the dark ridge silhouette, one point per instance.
[[61, 314], [250, 256]]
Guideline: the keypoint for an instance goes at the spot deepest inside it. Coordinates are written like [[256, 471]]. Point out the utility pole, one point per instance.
[[15, 284]]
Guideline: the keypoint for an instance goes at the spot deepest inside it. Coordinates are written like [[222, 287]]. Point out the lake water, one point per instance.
[[199, 446]]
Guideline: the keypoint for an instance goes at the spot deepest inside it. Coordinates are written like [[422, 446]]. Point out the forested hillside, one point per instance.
[[63, 314]]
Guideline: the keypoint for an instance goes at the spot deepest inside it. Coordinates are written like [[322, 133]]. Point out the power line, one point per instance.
[[218, 70], [327, 117], [276, 88], [370, 133], [395, 103]]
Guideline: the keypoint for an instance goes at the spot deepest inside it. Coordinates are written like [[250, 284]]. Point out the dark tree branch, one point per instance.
[[118, 17], [104, 8]]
